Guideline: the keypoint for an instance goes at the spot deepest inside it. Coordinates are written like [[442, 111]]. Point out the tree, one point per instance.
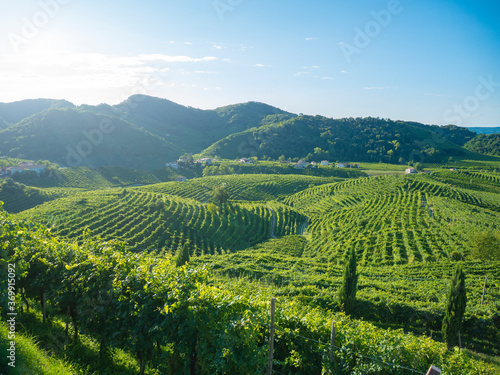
[[182, 255], [485, 245], [347, 293], [455, 308], [220, 194]]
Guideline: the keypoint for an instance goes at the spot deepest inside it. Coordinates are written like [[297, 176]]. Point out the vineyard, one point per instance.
[[241, 187], [158, 222], [394, 219], [285, 236], [407, 296], [175, 320]]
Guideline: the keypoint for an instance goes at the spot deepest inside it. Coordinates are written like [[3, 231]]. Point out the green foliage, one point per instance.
[[176, 321], [58, 134], [455, 308], [361, 139], [182, 255], [485, 245], [220, 194], [487, 144], [347, 292]]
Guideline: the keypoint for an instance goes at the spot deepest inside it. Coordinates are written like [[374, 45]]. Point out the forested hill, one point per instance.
[[14, 112], [190, 128], [361, 139], [81, 138], [3, 124], [488, 144]]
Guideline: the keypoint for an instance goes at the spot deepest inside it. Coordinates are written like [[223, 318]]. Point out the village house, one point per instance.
[[325, 162], [22, 167], [181, 179], [301, 164], [206, 161], [340, 165], [245, 161], [410, 170]]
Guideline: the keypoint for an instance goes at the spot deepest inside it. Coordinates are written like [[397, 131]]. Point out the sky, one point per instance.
[[431, 61]]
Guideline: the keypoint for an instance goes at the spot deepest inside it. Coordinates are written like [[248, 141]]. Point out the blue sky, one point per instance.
[[435, 62]]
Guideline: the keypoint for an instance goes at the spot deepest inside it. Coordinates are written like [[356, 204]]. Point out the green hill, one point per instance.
[[17, 197], [3, 124], [360, 139], [157, 222], [395, 219], [486, 144], [190, 128], [171, 317], [16, 111], [94, 178], [81, 138]]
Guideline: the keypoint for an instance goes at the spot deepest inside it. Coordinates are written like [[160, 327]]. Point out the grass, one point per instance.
[[61, 355], [30, 359]]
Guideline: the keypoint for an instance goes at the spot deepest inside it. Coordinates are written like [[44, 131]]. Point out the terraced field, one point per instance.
[[249, 187], [394, 219], [157, 222]]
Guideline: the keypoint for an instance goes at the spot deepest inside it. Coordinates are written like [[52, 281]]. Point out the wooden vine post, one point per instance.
[[332, 342], [271, 338]]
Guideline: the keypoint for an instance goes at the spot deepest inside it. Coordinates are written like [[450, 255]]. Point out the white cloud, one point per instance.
[[188, 43], [87, 77], [298, 74], [309, 39], [259, 65]]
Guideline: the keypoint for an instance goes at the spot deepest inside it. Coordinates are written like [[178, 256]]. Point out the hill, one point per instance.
[[3, 124], [486, 144], [81, 138], [176, 318], [360, 139], [190, 128], [157, 222], [16, 111]]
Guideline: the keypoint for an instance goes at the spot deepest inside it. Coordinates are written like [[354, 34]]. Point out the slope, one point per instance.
[[395, 219], [16, 111], [190, 128], [361, 139], [81, 138], [157, 222], [486, 144]]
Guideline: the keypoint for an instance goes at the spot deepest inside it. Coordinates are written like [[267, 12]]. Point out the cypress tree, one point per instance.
[[455, 308], [347, 293], [182, 255]]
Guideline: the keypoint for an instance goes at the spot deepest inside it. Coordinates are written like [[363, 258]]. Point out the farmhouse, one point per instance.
[[301, 164], [410, 170], [206, 161], [181, 179], [325, 162], [340, 165], [22, 167], [245, 161]]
